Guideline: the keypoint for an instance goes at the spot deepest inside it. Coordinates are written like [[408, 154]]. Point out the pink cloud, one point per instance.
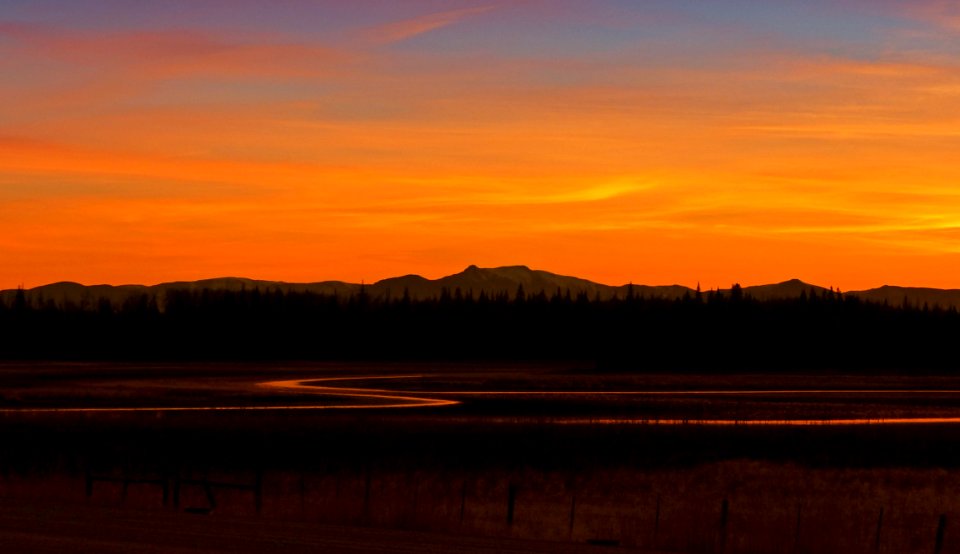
[[170, 53], [942, 13], [409, 28]]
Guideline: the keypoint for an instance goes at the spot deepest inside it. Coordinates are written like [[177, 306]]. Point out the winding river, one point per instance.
[[388, 399]]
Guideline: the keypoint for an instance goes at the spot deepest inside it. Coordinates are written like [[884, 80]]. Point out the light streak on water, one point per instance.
[[423, 399], [406, 401], [759, 422]]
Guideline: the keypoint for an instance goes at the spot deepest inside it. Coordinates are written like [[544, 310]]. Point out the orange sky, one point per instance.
[[667, 142]]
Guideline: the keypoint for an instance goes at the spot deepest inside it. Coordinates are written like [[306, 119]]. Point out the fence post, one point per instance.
[[511, 501], [724, 517], [302, 486], [176, 491], [412, 520], [876, 540], [208, 489], [573, 515], [258, 491], [366, 497], [796, 537], [463, 500], [941, 529], [656, 524]]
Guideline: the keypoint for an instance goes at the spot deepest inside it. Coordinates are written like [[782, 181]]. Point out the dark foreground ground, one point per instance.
[[486, 473], [54, 529]]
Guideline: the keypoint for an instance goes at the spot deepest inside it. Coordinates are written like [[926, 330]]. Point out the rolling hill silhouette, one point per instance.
[[473, 280], [787, 289], [508, 280]]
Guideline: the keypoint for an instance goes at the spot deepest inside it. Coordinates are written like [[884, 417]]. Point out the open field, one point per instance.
[[501, 465]]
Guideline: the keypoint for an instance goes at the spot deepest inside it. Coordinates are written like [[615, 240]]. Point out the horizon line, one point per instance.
[[364, 282]]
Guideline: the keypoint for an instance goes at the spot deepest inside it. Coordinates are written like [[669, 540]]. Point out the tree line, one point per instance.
[[710, 331]]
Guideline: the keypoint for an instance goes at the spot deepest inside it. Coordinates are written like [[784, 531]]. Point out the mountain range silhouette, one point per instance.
[[492, 281]]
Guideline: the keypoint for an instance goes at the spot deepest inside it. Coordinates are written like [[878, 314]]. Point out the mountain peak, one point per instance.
[[499, 269]]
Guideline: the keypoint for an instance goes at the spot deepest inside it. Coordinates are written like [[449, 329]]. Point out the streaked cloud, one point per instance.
[[171, 53], [945, 13], [577, 137], [409, 28]]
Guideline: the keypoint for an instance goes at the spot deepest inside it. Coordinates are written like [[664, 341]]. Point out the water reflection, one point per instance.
[[382, 398], [752, 422]]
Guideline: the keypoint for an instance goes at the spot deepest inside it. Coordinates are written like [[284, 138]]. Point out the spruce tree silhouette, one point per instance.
[[721, 332]]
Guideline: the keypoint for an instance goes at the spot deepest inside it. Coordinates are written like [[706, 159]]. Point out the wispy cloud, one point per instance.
[[173, 52], [945, 13], [409, 28]]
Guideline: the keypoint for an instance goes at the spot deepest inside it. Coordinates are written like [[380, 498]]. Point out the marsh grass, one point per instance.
[[803, 491], [786, 490], [772, 508]]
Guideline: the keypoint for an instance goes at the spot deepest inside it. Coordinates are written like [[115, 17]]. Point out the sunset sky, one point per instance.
[[655, 141]]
